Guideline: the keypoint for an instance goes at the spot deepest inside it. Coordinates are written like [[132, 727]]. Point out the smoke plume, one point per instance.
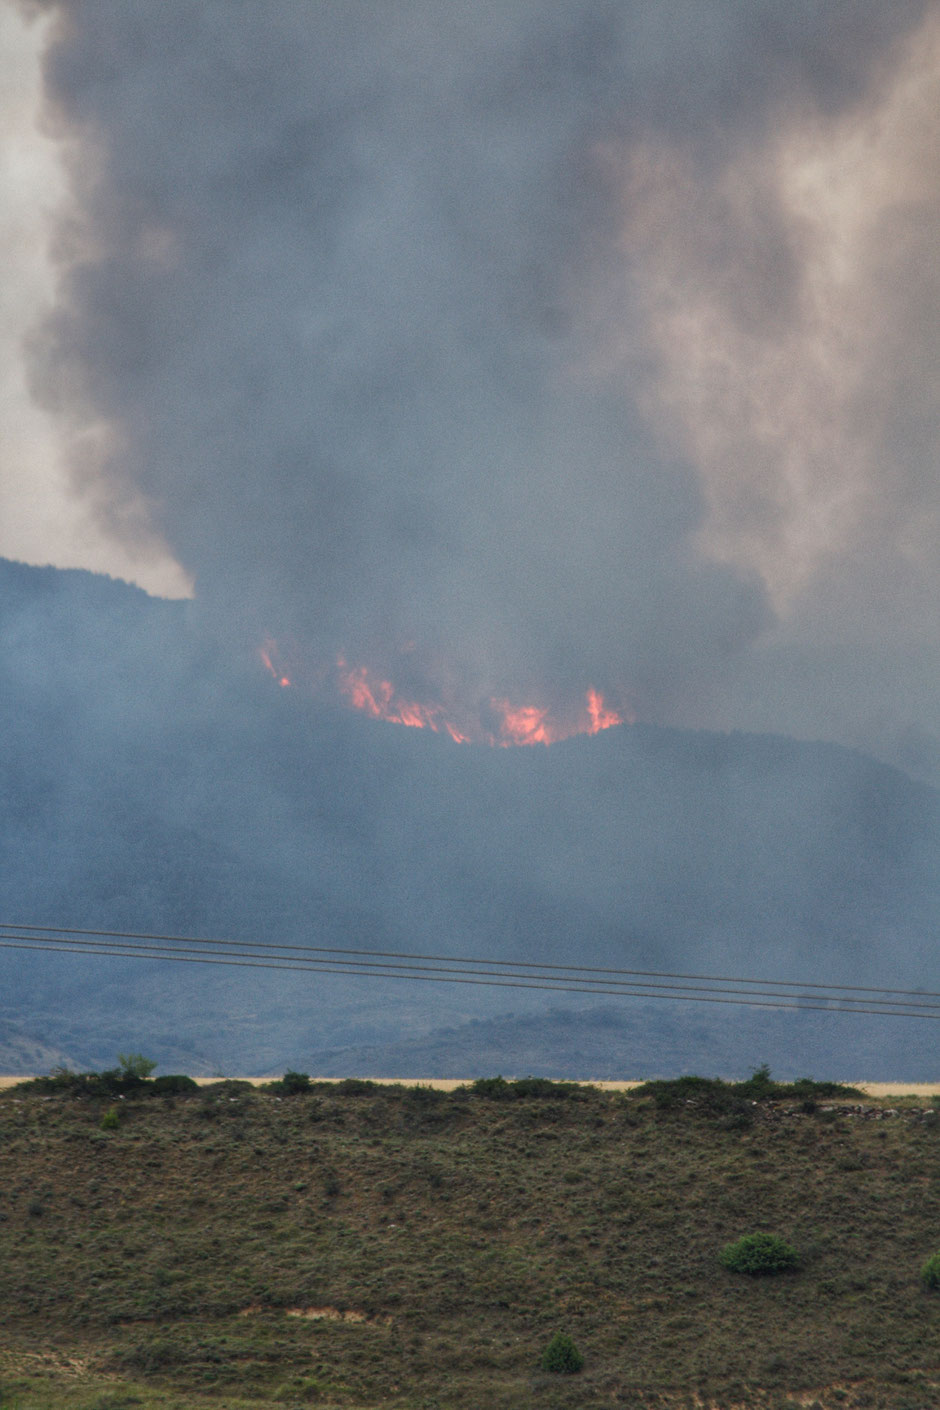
[[514, 349]]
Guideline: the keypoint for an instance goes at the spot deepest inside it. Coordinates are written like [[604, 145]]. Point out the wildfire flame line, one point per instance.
[[266, 653], [512, 724]]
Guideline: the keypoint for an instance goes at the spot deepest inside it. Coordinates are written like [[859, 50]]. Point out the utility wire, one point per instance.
[[224, 952], [320, 967], [68, 932], [242, 950]]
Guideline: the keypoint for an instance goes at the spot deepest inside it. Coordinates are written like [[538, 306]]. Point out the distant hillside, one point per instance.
[[153, 777], [20, 1052], [638, 1041]]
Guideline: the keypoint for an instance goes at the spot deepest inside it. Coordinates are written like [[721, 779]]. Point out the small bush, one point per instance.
[[930, 1273], [228, 1087], [811, 1090], [760, 1086], [739, 1118], [704, 1096], [425, 1096], [78, 1084], [546, 1087], [130, 1078], [135, 1065], [713, 1096], [498, 1089], [494, 1087], [561, 1356], [294, 1082], [110, 1121], [60, 1079], [173, 1084], [758, 1255]]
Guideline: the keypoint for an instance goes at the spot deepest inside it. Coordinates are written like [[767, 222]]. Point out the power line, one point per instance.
[[68, 932], [242, 955], [241, 950], [320, 967]]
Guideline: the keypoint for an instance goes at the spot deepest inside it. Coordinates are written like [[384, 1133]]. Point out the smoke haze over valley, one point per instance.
[[197, 797], [577, 359]]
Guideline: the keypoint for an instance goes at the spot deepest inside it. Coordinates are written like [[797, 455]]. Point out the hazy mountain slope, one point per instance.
[[633, 1041], [152, 777], [21, 1052]]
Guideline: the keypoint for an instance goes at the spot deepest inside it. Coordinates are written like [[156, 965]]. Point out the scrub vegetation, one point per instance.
[[359, 1245], [758, 1255]]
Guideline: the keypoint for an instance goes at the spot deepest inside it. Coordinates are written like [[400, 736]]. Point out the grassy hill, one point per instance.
[[360, 1245]]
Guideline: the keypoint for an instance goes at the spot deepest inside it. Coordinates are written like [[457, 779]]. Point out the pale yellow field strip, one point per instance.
[[448, 1084]]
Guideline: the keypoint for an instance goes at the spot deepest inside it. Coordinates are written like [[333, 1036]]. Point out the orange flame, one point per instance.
[[266, 653], [600, 716], [527, 724], [379, 699], [515, 724], [523, 724]]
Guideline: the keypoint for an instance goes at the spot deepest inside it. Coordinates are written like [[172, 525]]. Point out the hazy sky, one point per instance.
[[510, 347], [45, 515]]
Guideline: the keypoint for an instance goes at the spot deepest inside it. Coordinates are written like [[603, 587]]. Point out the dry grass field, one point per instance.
[[362, 1245]]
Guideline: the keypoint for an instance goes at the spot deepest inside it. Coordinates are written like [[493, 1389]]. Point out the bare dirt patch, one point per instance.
[[319, 1314], [326, 1314]]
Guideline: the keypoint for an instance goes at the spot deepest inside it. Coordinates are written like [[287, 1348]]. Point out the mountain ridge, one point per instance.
[[153, 778]]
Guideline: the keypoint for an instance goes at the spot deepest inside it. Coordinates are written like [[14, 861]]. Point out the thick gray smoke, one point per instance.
[[370, 301], [504, 349]]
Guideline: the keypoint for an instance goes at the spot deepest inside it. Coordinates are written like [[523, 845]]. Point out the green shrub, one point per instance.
[[228, 1087], [930, 1273], [710, 1096], [112, 1082], [424, 1096], [135, 1065], [561, 1356], [758, 1254], [498, 1089], [131, 1077], [356, 1087], [293, 1082], [760, 1086], [703, 1096], [545, 1087], [810, 1090], [715, 1096], [78, 1084], [174, 1083], [110, 1121], [60, 1079]]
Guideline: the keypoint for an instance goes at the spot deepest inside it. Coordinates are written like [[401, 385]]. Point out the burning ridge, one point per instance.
[[497, 721]]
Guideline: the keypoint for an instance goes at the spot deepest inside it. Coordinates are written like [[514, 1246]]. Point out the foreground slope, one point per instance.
[[355, 1246]]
